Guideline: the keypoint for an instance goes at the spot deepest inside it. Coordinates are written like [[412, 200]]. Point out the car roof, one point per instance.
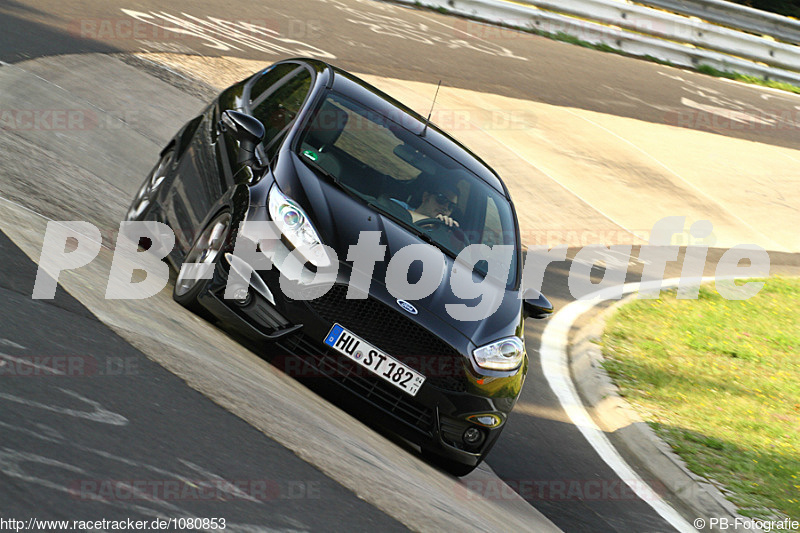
[[359, 90]]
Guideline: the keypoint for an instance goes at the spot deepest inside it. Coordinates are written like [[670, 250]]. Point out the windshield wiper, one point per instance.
[[333, 179], [425, 236], [321, 170]]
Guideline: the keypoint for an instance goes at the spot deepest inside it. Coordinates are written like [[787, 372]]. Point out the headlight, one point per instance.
[[505, 354], [295, 226]]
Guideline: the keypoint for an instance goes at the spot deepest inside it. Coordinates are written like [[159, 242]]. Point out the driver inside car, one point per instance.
[[438, 201]]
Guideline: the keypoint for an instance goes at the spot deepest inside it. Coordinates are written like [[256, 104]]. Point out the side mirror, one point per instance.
[[536, 305], [249, 131]]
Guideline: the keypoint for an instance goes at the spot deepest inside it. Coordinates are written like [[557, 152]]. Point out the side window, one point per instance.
[[263, 85], [277, 107]]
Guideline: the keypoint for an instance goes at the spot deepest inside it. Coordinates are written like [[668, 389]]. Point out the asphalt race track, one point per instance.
[[133, 409], [107, 422]]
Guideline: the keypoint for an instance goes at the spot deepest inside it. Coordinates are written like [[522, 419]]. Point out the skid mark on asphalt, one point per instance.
[[94, 486], [11, 344], [27, 362], [391, 22], [228, 35], [97, 414]]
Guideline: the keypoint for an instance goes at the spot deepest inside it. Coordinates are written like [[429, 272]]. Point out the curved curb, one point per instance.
[[690, 494]]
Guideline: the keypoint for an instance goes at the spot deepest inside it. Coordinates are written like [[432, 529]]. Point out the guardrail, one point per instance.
[[734, 16], [641, 31]]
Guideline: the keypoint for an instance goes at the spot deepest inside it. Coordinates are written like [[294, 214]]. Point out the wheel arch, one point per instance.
[[237, 201]]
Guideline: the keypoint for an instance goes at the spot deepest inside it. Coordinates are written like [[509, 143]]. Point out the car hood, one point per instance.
[[339, 218]]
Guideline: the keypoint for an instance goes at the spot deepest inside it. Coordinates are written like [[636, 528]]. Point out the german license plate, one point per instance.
[[382, 365]]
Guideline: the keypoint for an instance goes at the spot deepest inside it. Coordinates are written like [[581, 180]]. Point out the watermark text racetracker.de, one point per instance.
[[103, 524], [66, 366], [69, 245], [62, 119], [160, 26], [561, 489], [194, 490]]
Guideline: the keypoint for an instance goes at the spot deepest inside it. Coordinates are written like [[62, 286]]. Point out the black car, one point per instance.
[[324, 157]]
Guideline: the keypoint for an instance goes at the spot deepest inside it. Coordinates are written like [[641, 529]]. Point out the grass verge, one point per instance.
[[719, 381], [755, 80]]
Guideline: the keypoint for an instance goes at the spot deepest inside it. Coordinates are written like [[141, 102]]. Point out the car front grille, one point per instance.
[[396, 335], [330, 364]]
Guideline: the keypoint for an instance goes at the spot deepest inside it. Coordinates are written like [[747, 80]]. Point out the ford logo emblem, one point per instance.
[[407, 307]]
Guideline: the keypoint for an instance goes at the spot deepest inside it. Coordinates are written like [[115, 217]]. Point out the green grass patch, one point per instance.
[[755, 80], [719, 380]]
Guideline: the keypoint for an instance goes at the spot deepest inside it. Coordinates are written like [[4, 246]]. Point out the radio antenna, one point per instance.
[[428, 120]]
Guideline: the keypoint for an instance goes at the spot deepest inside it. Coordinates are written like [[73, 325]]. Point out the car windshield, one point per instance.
[[399, 173]]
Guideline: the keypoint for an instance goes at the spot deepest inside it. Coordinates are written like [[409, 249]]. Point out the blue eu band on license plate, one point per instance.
[[368, 356]]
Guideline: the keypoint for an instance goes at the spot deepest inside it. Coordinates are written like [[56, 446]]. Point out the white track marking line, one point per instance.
[[12, 344], [27, 362], [555, 367]]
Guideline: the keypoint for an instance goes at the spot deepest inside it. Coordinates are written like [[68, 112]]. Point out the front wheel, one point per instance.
[[206, 252]]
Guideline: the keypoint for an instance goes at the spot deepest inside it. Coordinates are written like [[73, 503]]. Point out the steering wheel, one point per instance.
[[437, 223], [432, 222]]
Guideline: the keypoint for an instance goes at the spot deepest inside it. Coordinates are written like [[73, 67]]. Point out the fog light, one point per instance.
[[473, 436], [241, 296]]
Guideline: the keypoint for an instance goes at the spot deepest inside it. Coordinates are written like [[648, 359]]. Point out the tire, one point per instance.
[[142, 202], [206, 249]]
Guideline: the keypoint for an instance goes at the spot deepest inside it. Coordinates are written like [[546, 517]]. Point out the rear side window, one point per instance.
[[263, 85]]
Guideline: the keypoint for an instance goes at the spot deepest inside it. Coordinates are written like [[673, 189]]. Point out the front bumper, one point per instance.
[[435, 419]]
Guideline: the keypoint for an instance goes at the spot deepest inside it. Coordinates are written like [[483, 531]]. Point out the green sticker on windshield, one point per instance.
[[311, 154]]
